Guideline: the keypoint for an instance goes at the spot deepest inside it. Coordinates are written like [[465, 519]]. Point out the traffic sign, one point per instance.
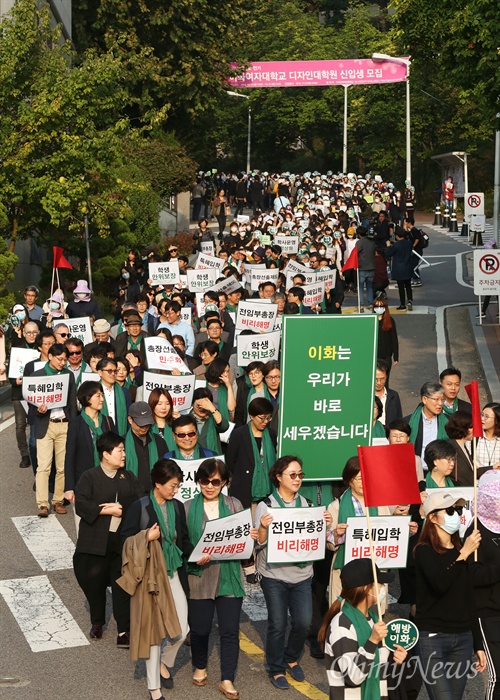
[[474, 204], [486, 272]]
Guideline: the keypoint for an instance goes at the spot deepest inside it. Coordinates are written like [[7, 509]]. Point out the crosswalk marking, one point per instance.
[[40, 613], [47, 541], [487, 234]]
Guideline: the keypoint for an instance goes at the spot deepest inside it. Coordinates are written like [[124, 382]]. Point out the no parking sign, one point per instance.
[[474, 204], [486, 272]]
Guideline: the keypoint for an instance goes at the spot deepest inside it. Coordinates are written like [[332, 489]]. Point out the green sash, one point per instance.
[[131, 461], [171, 552], [230, 571], [378, 430], [134, 344], [222, 401], [178, 454], [166, 434], [212, 441], [450, 411], [370, 688], [52, 372], [415, 422], [96, 431], [120, 410], [346, 510], [261, 486], [431, 484]]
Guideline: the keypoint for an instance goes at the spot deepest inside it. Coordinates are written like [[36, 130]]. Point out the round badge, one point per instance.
[[401, 632]]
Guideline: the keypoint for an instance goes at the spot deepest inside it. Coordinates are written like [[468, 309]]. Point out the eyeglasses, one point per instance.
[[437, 399], [294, 475], [214, 482], [110, 371], [191, 434], [450, 460], [63, 335], [264, 419], [75, 352], [273, 378]]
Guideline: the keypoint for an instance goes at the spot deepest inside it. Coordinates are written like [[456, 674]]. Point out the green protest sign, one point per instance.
[[327, 389], [401, 632]]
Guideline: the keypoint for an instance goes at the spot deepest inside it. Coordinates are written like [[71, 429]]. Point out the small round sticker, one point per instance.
[[401, 632]]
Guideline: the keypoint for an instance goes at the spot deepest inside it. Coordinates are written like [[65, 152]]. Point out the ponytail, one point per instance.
[[354, 596]]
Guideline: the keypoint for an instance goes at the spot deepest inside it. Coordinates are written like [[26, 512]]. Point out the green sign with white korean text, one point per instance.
[[327, 389]]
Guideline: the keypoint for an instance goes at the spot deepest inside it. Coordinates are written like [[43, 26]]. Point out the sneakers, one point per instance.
[[43, 512], [416, 283], [481, 315], [25, 463], [400, 308], [59, 508], [251, 578], [410, 306]]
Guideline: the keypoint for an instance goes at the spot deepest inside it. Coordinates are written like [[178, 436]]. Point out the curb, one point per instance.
[[483, 350]]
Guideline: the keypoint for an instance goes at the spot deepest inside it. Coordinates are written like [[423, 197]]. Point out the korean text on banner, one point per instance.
[[189, 488], [226, 538], [207, 247], [390, 536], [180, 388], [51, 391], [186, 314], [256, 316], [204, 262], [329, 277], [296, 535], [327, 388], [19, 358], [294, 268], [228, 285], [314, 293], [288, 244], [164, 273], [78, 328], [262, 347], [200, 280], [486, 272], [263, 275], [161, 355]]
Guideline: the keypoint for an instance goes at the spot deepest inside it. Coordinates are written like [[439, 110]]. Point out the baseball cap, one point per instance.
[[141, 413], [359, 572], [442, 500]]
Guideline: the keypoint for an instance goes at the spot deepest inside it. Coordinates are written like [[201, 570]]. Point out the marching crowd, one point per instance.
[[114, 452]]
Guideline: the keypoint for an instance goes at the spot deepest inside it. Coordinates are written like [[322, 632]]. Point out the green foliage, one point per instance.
[[8, 262]]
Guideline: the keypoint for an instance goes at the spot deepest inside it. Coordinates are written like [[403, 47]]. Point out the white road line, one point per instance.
[[7, 423], [459, 271], [40, 613], [47, 540]]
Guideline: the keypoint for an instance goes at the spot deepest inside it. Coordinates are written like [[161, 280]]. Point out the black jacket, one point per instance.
[[142, 516], [464, 471], [90, 346], [142, 452], [485, 573], [240, 461], [388, 344], [79, 456], [78, 309], [121, 345], [94, 488], [393, 408]]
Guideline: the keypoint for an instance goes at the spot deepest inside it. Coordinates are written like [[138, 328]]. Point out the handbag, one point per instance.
[[228, 210]]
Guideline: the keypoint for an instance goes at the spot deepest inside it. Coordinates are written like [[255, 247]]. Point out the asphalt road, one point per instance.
[[99, 669]]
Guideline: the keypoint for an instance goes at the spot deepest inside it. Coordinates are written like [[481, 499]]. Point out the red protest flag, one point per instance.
[[473, 394], [389, 475], [59, 259], [352, 261]]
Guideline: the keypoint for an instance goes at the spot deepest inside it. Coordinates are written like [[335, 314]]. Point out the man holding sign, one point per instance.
[[51, 428]]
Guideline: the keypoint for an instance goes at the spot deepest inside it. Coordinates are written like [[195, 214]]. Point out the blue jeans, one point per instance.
[[282, 598], [446, 660], [366, 276]]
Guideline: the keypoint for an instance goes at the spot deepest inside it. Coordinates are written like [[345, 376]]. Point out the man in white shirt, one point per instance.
[[116, 398], [178, 327], [76, 364]]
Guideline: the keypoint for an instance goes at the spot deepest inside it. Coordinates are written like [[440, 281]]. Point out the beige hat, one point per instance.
[[101, 326], [443, 500]]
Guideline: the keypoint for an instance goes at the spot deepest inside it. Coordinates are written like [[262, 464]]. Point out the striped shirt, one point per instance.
[[348, 664]]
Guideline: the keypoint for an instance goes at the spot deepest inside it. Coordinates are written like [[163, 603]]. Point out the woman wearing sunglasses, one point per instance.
[[446, 616], [214, 585]]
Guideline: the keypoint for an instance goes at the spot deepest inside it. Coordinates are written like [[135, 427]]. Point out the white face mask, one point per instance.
[[382, 595], [379, 310]]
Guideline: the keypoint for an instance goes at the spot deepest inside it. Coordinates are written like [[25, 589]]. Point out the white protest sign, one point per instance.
[[467, 493], [265, 275], [473, 204], [207, 248], [186, 314], [390, 535], [262, 347], [486, 272], [289, 244], [329, 277], [242, 218], [161, 355], [189, 489], [293, 268], [52, 391], [278, 324], [180, 388], [90, 377], [314, 293], [225, 539], [477, 222], [296, 535], [19, 358], [204, 262], [199, 280], [200, 303], [256, 316], [78, 328], [228, 285], [164, 272]]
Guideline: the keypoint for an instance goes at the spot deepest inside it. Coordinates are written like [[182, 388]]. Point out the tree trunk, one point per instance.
[[12, 245]]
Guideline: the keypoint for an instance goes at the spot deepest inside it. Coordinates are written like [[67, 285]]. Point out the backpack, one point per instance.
[[425, 239]]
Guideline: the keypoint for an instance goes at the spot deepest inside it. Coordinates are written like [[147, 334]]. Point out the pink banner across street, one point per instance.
[[361, 71]]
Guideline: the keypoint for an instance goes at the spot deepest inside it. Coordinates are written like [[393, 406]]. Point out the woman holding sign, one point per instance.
[[214, 585], [286, 587]]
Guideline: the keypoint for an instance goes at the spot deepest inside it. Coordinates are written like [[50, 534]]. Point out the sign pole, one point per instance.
[[374, 567], [474, 447]]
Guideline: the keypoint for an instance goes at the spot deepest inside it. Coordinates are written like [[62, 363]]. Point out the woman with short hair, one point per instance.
[[440, 457], [459, 430]]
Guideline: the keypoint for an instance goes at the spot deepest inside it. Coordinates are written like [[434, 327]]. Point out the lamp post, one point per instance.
[[380, 58], [249, 134], [344, 144]]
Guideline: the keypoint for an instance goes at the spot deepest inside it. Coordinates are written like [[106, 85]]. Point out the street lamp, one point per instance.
[[380, 58], [249, 136]]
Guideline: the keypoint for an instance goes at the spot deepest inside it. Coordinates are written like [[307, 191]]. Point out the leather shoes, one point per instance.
[[59, 508], [167, 683], [43, 512], [96, 632], [25, 463], [123, 641]]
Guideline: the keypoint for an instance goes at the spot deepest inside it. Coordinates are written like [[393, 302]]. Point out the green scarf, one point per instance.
[[346, 510], [450, 411], [222, 401], [120, 410], [318, 492], [78, 380], [96, 431], [178, 454], [52, 372], [378, 430], [261, 486], [166, 434], [415, 421], [134, 344], [298, 504], [171, 552], [370, 688], [431, 484], [212, 441], [253, 391], [131, 461], [230, 571]]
